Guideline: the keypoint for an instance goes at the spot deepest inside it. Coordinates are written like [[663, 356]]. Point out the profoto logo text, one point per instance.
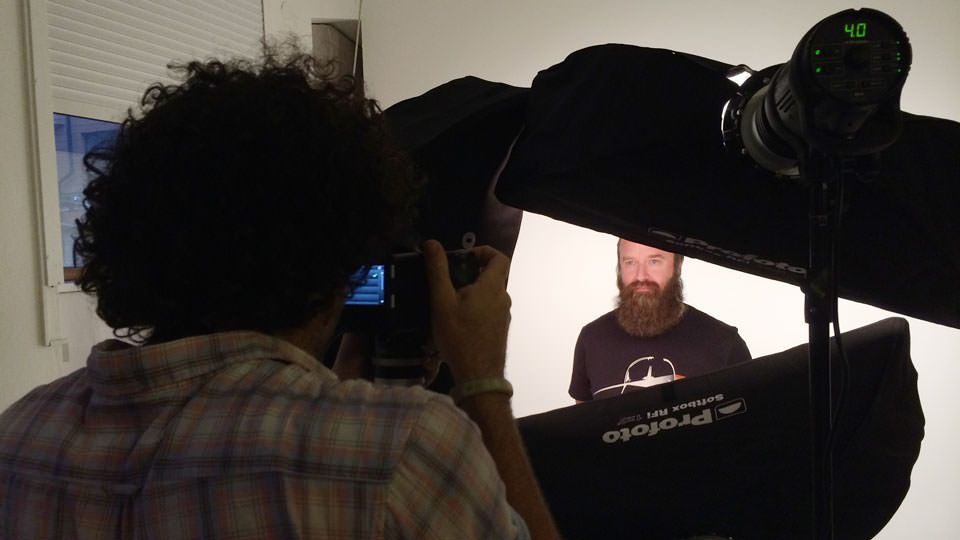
[[679, 418], [729, 254]]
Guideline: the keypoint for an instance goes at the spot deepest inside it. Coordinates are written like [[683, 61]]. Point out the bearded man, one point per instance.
[[652, 336]]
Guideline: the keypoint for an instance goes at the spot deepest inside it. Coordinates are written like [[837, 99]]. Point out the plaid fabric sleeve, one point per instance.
[[446, 484]]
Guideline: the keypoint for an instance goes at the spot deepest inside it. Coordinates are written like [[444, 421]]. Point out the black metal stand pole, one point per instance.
[[823, 179]]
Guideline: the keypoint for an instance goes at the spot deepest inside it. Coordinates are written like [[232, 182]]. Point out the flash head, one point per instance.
[[838, 94]]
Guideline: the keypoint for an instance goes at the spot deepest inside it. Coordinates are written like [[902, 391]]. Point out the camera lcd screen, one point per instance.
[[370, 291]]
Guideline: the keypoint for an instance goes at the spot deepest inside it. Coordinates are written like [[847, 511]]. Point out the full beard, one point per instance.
[[648, 314]]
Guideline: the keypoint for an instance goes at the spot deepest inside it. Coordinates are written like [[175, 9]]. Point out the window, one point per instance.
[[94, 59], [74, 136]]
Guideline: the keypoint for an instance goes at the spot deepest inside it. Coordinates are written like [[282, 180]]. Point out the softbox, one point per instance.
[[729, 453], [627, 140], [459, 134]]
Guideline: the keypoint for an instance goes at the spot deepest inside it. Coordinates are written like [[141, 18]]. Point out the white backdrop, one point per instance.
[[563, 277]]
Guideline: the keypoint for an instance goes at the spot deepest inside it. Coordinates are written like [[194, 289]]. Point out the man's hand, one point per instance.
[[470, 331], [470, 324]]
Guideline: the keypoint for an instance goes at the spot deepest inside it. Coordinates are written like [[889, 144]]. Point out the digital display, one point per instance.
[[370, 291], [855, 29]]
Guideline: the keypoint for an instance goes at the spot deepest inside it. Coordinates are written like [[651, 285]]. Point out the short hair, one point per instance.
[[244, 198], [677, 258]]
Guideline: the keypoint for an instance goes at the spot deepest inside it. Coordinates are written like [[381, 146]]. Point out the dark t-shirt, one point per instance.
[[607, 361]]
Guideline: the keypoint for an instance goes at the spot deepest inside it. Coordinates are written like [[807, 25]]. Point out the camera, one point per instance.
[[392, 297], [391, 303]]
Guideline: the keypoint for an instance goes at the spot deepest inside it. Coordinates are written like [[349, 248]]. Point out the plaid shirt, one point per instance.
[[240, 435]]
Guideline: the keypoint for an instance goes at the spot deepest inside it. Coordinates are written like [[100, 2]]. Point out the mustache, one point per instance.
[[634, 287]]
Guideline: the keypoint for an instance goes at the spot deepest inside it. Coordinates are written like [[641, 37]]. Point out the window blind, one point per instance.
[[104, 53]]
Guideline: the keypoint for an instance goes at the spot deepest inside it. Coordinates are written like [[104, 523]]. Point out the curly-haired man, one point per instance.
[[220, 236]]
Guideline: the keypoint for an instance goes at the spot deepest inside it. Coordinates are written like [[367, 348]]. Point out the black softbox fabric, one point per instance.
[[459, 135], [627, 140], [730, 452]]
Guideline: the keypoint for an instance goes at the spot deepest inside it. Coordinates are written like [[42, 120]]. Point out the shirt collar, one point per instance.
[[116, 368]]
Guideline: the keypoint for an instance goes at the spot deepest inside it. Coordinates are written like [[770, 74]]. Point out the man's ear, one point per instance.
[[330, 315], [353, 357], [314, 334]]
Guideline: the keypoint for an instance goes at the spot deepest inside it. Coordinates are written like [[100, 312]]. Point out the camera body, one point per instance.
[[393, 299]]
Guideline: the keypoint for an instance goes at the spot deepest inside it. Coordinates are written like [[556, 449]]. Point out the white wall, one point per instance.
[[24, 361], [562, 276]]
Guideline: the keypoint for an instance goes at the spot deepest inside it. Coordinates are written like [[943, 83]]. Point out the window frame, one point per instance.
[[44, 166]]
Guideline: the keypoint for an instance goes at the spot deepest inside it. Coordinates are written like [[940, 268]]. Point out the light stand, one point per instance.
[[836, 100], [819, 302]]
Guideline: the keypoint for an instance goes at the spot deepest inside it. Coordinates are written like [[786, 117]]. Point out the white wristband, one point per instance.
[[481, 386]]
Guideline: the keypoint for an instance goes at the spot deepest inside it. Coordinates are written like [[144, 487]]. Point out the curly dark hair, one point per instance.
[[242, 199]]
